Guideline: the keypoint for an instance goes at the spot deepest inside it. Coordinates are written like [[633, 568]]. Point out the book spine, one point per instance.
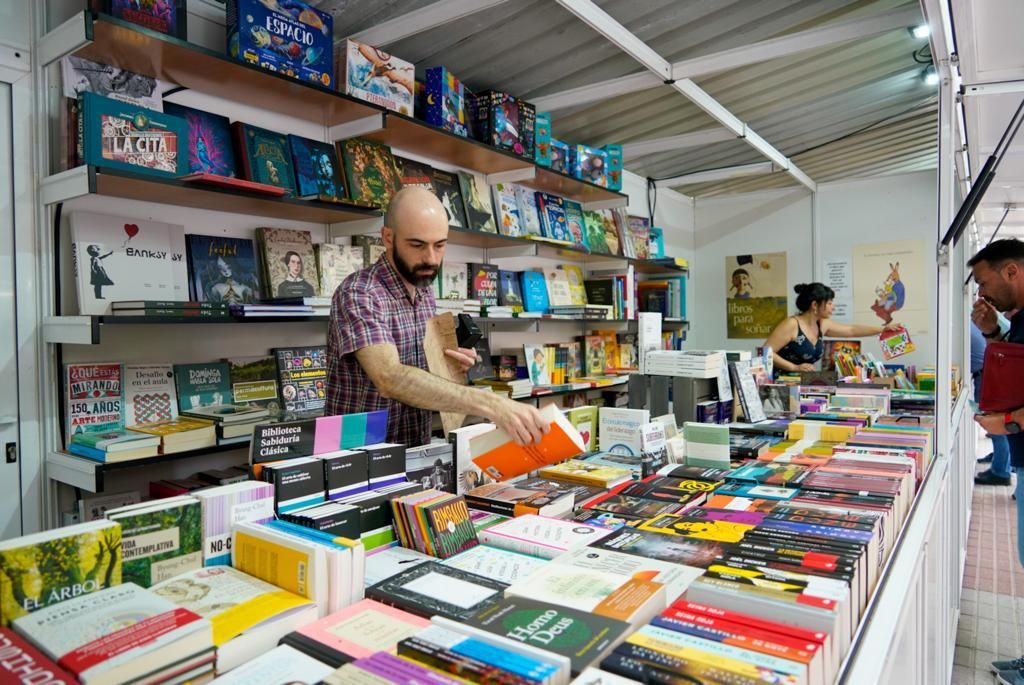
[[458, 665], [176, 312]]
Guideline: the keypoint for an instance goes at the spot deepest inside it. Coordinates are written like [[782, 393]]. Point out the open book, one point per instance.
[[498, 455]]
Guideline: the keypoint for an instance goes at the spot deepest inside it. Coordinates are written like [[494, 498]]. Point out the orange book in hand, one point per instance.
[[498, 455]]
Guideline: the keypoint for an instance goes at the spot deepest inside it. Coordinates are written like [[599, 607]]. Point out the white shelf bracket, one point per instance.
[[70, 330], [64, 186], [358, 127], [512, 251], [512, 175], [67, 38]]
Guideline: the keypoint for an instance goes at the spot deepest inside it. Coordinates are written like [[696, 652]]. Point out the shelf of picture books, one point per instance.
[[623, 546], [118, 71]]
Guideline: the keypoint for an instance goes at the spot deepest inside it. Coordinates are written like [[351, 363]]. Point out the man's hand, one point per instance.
[[985, 317], [521, 421], [464, 356], [993, 424]]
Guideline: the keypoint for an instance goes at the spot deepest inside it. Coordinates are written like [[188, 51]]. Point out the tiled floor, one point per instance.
[[992, 605]]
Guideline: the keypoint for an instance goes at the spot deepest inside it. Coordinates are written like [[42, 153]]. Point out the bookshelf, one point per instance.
[[86, 474], [80, 181]]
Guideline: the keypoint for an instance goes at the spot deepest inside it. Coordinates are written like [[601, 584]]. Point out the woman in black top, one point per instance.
[[798, 341]]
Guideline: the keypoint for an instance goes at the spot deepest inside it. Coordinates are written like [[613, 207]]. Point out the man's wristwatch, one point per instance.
[[997, 333], [1012, 427]]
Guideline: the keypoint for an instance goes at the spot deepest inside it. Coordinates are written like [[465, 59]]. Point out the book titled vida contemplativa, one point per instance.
[[115, 258]]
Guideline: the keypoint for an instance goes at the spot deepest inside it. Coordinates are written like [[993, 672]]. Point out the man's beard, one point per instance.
[[414, 274]]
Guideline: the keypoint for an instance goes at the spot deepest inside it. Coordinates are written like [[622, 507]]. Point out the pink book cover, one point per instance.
[[328, 434], [364, 628]]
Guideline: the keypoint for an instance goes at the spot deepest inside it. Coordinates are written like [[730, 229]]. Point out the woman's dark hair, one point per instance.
[[809, 293]]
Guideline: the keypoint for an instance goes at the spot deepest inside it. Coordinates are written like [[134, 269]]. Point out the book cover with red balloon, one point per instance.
[[116, 258]]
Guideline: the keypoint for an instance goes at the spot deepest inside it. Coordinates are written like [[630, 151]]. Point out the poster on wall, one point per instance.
[[839, 277], [756, 294], [891, 284]]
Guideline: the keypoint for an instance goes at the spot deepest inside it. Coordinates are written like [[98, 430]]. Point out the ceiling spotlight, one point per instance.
[[930, 76], [920, 31]]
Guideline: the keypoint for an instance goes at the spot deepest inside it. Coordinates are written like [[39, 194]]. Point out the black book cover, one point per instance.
[[413, 173], [581, 636], [483, 284], [346, 473], [446, 187], [283, 440], [316, 649], [408, 589], [675, 549], [600, 291], [297, 483], [385, 463], [484, 368]]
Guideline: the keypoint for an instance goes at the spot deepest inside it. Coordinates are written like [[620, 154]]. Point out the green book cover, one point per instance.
[[254, 382], [584, 419], [56, 565], [160, 541], [370, 171], [202, 385], [707, 434], [579, 635]]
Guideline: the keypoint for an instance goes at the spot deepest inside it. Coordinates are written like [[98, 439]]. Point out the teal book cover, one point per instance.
[[266, 156], [535, 292], [159, 542], [119, 135], [202, 385]]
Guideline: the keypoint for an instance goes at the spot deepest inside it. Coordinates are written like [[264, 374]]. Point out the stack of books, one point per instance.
[[114, 446], [688, 364], [159, 308], [251, 311], [234, 422], [182, 434], [433, 522], [707, 445]]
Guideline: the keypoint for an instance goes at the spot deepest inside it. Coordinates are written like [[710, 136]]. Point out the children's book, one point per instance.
[[317, 171], [575, 221], [529, 219], [535, 292], [593, 223], [483, 284], [559, 292], [209, 141], [224, 270], [896, 343], [371, 74], [302, 373], [639, 230], [335, 263], [477, 198], [370, 171], [510, 292], [455, 285], [552, 218], [537, 364], [115, 258], [264, 156], [149, 394], [507, 210]]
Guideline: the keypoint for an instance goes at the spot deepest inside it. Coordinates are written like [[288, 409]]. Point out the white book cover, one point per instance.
[[226, 506], [149, 394], [126, 259], [334, 264], [506, 210], [559, 290], [529, 219], [80, 75], [71, 631], [591, 590], [494, 562], [675, 577], [282, 664], [390, 561], [454, 280], [619, 430], [540, 536]]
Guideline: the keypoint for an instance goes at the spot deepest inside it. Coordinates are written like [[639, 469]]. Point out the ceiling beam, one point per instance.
[[603, 23], [992, 88], [436, 14], [795, 43], [723, 174], [754, 53], [631, 151]]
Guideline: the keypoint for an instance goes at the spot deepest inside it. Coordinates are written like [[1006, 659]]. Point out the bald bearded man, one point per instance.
[[375, 357]]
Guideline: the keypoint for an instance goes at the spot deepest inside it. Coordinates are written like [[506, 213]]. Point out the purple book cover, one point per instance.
[[209, 140], [390, 666], [751, 518]]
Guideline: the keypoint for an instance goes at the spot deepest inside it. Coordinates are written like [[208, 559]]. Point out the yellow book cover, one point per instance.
[[734, 667], [586, 473], [286, 567], [233, 601], [703, 529], [575, 276], [178, 425]]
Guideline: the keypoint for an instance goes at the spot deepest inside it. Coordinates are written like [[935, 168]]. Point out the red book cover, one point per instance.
[[22, 663], [797, 632], [235, 183], [241, 149], [782, 645]]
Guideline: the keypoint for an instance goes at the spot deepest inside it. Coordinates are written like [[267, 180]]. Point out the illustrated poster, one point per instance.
[[756, 294], [891, 284]]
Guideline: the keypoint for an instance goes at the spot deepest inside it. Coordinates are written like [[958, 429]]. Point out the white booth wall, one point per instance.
[[849, 213]]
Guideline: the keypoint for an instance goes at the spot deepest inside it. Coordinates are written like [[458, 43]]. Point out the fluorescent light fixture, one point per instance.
[[930, 76], [920, 31]]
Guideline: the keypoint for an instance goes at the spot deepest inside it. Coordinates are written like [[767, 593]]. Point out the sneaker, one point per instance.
[[1008, 665], [987, 459], [986, 477], [1012, 677]]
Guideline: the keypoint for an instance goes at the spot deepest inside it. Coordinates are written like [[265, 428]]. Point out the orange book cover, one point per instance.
[[498, 455]]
